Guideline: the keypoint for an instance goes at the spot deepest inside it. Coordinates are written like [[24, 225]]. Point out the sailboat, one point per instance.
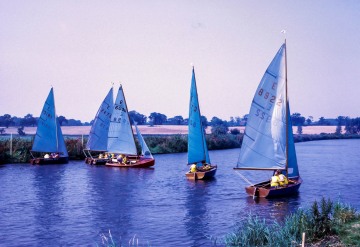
[[98, 136], [268, 143], [49, 139], [197, 149], [121, 141]]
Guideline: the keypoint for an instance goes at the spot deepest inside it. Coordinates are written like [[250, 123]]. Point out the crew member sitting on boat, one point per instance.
[[124, 160], [100, 156], [283, 181], [47, 156], [193, 168], [120, 158], [275, 180]]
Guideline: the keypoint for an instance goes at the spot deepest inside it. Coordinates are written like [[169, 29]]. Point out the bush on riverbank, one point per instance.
[[321, 223], [158, 144]]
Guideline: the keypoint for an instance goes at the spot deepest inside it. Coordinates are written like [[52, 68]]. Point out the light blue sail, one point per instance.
[[197, 148], [145, 151], [49, 136], [264, 142], [98, 137], [120, 136]]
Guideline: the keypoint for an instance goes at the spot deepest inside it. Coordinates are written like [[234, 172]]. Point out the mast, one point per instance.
[[201, 126], [286, 114], [127, 113]]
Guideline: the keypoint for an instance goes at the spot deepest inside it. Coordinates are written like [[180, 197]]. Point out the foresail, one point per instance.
[[145, 151], [293, 170], [120, 137], [196, 148], [46, 132], [61, 142], [264, 142], [98, 136]]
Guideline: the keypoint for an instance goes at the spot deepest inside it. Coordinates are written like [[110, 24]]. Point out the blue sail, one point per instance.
[[120, 136], [145, 151], [49, 136], [264, 142], [197, 149], [293, 170], [98, 136]]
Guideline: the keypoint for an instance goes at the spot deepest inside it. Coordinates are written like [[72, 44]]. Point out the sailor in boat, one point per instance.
[[193, 168], [275, 180], [46, 156], [283, 181], [120, 158]]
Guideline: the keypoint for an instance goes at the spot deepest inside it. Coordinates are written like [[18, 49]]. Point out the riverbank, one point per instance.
[[167, 130], [16, 149]]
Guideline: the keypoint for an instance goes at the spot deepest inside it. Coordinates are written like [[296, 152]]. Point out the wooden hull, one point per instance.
[[264, 190], [200, 175], [95, 161], [43, 161], [137, 163]]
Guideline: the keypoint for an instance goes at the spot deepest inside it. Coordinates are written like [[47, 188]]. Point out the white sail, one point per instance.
[[264, 142], [145, 151], [120, 137], [98, 136]]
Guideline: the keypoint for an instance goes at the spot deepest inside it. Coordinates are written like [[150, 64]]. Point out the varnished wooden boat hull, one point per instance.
[[95, 161], [43, 161], [264, 190], [200, 175], [139, 163]]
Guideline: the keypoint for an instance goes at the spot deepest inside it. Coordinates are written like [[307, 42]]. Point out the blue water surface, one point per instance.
[[72, 204]]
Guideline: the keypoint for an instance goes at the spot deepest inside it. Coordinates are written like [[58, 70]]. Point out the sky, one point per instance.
[[149, 46]]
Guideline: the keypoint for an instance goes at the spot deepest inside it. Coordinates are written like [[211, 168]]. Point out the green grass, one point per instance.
[[322, 222]]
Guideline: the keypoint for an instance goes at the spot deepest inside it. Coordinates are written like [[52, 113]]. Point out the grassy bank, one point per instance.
[[158, 144], [324, 224]]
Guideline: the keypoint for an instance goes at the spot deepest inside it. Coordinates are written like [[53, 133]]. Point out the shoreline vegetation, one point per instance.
[[324, 223], [165, 139]]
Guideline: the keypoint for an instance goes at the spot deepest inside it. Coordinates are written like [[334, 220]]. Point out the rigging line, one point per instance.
[[244, 178]]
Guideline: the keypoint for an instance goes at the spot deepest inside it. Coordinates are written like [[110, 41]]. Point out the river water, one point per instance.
[[72, 204]]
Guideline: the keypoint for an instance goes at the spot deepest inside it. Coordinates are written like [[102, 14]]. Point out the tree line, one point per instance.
[[352, 125]]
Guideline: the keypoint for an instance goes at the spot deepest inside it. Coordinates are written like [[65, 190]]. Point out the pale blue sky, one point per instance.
[[80, 47]]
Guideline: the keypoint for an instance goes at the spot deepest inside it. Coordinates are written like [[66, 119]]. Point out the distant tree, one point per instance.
[[62, 120], [309, 120], [157, 118], [6, 120], [177, 120], [235, 131], [299, 129], [140, 119], [297, 119], [71, 122], [21, 131], [232, 121], [340, 122], [204, 122], [322, 121], [352, 126], [28, 120], [237, 121], [217, 121], [219, 129]]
